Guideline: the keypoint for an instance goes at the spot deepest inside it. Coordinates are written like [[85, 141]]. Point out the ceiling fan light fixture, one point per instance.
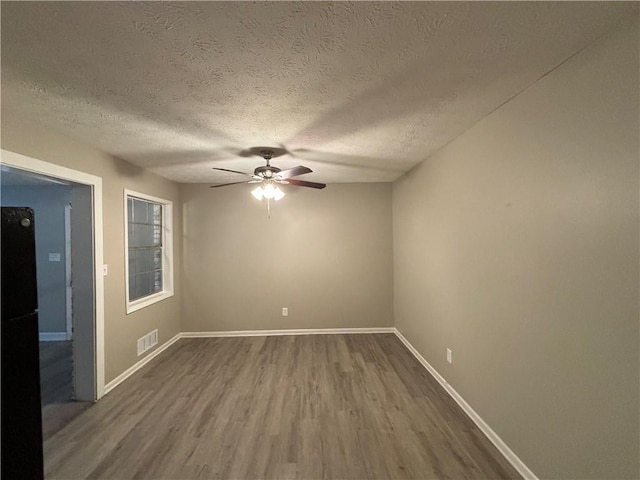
[[258, 193], [278, 194], [268, 191], [268, 177], [271, 191]]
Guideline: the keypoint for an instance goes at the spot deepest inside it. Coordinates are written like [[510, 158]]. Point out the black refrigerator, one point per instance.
[[21, 411]]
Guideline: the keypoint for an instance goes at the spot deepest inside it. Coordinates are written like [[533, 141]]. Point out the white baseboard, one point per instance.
[[53, 336], [502, 447], [138, 365], [303, 331], [241, 333]]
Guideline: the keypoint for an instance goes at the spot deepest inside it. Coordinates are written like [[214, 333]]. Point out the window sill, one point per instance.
[[147, 301]]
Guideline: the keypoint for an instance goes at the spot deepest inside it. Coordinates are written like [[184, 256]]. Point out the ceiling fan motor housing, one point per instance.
[[266, 172]]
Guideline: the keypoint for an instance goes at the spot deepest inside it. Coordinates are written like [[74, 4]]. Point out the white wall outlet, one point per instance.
[[449, 355], [105, 269], [285, 312], [54, 257]]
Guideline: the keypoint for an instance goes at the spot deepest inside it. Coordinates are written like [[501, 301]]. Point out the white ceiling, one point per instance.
[[356, 91]]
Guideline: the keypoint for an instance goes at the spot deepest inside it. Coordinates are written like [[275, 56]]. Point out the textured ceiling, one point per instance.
[[356, 91]]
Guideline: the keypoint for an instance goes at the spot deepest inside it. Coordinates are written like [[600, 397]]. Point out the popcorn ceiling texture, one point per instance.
[[356, 91]]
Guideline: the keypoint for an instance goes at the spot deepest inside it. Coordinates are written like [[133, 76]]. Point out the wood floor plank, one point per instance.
[[288, 407]]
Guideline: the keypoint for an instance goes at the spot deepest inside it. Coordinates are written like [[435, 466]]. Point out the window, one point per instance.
[[149, 253]]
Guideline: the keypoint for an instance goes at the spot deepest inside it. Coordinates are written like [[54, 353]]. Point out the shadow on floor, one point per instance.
[[56, 386]]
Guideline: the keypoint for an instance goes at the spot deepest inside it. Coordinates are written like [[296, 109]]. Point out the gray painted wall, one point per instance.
[[49, 204], [326, 255], [121, 331], [517, 247], [84, 345]]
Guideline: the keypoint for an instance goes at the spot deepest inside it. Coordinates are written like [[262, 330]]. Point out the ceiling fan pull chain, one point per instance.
[[268, 208]]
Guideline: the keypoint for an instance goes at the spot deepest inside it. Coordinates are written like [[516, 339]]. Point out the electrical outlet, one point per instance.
[[449, 355], [285, 312]]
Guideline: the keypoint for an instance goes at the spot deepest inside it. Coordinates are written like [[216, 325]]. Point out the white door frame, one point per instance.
[[23, 162]]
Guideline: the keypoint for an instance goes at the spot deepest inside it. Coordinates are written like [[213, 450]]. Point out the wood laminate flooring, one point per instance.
[[300, 407]]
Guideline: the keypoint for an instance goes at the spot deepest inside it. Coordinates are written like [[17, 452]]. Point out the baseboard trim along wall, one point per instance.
[[138, 365], [502, 447], [303, 331], [53, 336], [239, 333]]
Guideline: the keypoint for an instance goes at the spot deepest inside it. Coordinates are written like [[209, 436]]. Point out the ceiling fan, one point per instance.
[[268, 177]]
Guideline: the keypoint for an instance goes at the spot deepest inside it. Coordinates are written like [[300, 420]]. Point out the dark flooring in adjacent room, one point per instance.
[[56, 387], [56, 372], [313, 407]]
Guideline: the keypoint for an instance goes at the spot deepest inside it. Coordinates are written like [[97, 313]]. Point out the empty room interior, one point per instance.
[[336, 240]]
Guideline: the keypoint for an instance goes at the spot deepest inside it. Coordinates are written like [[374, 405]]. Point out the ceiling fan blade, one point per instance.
[[232, 171], [302, 183], [293, 172], [227, 184]]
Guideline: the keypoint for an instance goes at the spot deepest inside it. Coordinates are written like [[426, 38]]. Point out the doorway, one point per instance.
[[72, 305]]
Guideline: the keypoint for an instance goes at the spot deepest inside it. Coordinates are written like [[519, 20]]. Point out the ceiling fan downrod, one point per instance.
[[267, 155], [266, 171]]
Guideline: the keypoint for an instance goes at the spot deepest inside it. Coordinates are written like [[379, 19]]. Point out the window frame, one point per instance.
[[167, 251]]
